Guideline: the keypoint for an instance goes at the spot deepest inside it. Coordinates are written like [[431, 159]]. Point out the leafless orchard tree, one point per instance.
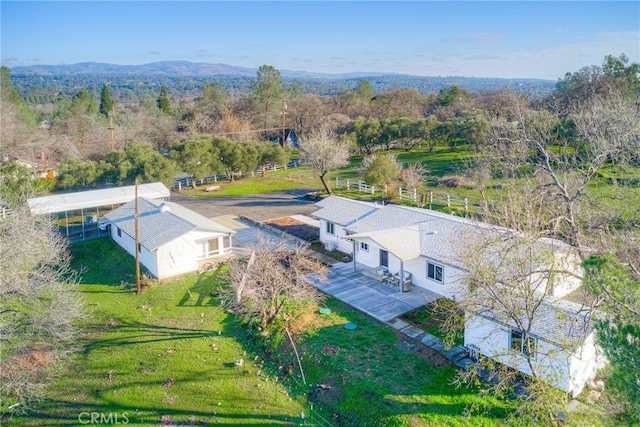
[[39, 309], [324, 153], [567, 162], [272, 278], [413, 175]]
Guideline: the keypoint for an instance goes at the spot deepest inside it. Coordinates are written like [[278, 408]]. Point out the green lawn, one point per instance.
[[283, 180], [169, 355]]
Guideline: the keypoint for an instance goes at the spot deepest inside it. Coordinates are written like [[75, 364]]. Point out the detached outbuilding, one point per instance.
[[173, 240]]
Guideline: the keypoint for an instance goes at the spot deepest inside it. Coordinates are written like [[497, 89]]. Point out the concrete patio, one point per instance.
[[370, 296]]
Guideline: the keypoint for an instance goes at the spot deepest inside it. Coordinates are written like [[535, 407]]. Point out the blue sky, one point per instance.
[[541, 39]]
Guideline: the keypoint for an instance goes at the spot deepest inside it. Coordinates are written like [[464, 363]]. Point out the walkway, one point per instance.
[[386, 305]]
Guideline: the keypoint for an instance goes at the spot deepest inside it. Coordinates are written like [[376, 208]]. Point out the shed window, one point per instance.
[[518, 343], [119, 231], [435, 272], [208, 248], [364, 246]]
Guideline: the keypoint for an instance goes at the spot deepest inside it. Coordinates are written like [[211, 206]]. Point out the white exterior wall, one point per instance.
[[340, 244], [128, 243], [452, 277], [370, 258], [553, 364], [176, 257], [584, 364]]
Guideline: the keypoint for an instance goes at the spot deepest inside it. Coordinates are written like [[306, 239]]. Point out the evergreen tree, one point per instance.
[[106, 103], [163, 101], [9, 95]]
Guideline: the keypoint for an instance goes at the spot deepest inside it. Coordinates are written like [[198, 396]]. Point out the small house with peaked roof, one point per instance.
[[173, 240]]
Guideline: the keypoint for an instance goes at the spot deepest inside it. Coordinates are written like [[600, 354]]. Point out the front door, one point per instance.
[[384, 258]]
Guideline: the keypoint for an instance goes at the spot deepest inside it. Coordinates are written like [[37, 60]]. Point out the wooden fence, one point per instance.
[[427, 200], [188, 181]]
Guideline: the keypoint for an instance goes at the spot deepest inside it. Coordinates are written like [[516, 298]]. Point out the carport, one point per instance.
[[78, 213]]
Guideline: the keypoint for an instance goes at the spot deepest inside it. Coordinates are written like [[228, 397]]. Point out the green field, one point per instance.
[[168, 356]]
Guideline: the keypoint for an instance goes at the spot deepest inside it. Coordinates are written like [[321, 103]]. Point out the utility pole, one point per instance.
[[284, 113], [111, 128], [136, 216]]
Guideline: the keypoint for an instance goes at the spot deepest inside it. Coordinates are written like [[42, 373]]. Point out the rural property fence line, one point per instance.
[[188, 181], [426, 200]]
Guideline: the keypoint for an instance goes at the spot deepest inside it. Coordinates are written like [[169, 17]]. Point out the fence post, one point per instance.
[[348, 184], [400, 192], [415, 195], [373, 189], [448, 201], [466, 205], [430, 199], [337, 182], [179, 185]]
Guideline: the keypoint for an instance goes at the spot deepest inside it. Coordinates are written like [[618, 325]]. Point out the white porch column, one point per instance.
[[353, 243]]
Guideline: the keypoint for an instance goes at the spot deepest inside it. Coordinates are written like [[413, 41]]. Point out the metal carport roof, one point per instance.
[[93, 198]]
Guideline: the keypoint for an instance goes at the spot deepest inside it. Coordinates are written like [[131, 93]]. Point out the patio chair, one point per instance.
[[382, 275], [406, 281]]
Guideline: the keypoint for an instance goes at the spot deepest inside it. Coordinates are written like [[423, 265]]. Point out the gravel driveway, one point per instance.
[[259, 207]]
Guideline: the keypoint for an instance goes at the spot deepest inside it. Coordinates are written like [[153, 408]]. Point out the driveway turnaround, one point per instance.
[[259, 207], [370, 296]]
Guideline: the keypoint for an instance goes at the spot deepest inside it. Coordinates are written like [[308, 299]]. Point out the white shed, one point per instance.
[[173, 240]]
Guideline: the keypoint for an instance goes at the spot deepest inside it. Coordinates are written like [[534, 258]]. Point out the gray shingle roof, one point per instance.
[[343, 211], [562, 324], [161, 222]]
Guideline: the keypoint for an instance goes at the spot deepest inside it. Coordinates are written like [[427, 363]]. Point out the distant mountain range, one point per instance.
[[175, 69], [185, 75]]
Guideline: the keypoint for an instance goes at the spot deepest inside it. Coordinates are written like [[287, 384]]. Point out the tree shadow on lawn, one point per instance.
[[141, 333], [205, 289], [367, 377], [59, 412]]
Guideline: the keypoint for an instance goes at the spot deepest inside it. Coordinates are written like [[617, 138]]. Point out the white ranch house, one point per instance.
[[173, 240], [420, 246]]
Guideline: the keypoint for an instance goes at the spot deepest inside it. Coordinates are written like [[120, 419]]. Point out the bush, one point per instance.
[[454, 181]]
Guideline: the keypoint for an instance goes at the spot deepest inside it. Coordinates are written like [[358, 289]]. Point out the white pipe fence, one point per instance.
[[426, 200], [188, 181]]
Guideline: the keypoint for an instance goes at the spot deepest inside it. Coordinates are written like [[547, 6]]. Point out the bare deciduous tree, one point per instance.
[[514, 278], [39, 311], [324, 153], [273, 278], [413, 175]]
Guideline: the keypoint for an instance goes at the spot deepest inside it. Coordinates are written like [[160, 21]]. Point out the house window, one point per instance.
[[208, 248], [119, 231], [518, 343], [435, 272], [330, 228], [364, 246]]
